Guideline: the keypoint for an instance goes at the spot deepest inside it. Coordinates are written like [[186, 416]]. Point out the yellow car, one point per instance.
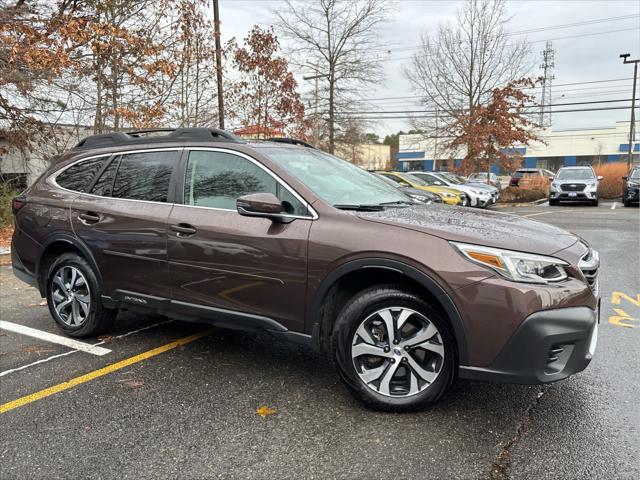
[[450, 196]]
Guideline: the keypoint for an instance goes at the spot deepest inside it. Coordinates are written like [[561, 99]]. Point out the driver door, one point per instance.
[[220, 259]]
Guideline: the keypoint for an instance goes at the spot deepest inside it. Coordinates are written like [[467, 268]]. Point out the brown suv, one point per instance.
[[198, 225]]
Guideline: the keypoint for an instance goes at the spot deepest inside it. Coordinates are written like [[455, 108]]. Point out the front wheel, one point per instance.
[[393, 351], [73, 297], [594, 203]]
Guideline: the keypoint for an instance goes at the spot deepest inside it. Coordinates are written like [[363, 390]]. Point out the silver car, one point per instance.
[[574, 184], [479, 195]]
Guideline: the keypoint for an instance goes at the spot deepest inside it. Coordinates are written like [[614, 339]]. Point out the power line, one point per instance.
[[526, 107], [402, 117], [539, 29]]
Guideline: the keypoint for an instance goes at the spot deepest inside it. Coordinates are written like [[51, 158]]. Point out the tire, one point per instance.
[[553, 203], [74, 297], [625, 203], [432, 355], [594, 203]]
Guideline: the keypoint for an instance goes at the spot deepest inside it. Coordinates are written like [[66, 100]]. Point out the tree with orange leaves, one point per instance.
[[491, 131], [265, 94]]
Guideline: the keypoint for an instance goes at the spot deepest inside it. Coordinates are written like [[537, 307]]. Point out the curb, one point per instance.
[[523, 204]]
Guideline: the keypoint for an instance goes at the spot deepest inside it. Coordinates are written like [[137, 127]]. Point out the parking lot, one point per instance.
[[162, 398]]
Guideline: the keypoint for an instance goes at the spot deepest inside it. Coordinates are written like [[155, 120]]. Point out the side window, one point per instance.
[[218, 179], [104, 184], [394, 178], [144, 176], [78, 177]]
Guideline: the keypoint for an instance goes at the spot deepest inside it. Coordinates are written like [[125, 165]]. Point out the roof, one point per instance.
[[159, 135]]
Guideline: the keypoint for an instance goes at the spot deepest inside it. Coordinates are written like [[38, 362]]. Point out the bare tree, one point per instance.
[[458, 67], [334, 39]]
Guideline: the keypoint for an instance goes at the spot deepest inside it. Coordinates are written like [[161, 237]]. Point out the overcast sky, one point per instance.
[[592, 54]]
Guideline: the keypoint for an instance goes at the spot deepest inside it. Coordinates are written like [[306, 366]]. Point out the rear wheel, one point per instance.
[[74, 297], [393, 351]]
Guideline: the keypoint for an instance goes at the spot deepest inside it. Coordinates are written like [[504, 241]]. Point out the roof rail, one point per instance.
[[173, 135], [290, 141]]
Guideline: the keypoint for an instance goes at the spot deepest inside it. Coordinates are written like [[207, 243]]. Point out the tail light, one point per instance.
[[17, 204]]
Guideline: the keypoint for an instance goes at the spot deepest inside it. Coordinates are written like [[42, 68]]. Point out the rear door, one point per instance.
[[219, 259], [122, 218]]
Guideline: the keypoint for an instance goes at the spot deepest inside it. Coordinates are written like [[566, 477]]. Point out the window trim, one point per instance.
[[313, 215], [51, 179]]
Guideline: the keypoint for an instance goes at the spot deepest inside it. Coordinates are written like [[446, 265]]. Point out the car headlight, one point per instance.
[[516, 266], [420, 198], [634, 184], [592, 187], [554, 186], [446, 194]]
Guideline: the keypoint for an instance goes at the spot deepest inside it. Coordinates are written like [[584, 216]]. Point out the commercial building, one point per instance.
[[589, 146]]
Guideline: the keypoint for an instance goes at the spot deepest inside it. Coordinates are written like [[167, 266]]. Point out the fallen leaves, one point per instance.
[[5, 236], [264, 411], [129, 382], [37, 350], [43, 303]]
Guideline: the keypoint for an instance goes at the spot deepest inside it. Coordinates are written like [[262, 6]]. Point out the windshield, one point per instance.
[[635, 174], [575, 174], [451, 178], [336, 181], [478, 176]]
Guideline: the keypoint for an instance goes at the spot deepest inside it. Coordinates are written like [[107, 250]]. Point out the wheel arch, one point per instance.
[[326, 302], [56, 245]]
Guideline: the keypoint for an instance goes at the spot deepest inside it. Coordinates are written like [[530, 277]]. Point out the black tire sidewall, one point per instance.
[[360, 307], [94, 322]]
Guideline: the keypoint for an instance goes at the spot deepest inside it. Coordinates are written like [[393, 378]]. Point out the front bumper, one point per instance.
[[548, 346], [582, 196]]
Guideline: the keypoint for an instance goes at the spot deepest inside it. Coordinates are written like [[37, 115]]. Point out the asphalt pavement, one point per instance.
[[179, 400]]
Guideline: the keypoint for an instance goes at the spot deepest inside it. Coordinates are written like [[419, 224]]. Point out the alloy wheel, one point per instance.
[[71, 296], [397, 352]]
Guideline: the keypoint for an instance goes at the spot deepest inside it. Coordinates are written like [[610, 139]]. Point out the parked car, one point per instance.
[[631, 187], [481, 177], [574, 184], [449, 196], [528, 172], [199, 225], [479, 195], [421, 196]]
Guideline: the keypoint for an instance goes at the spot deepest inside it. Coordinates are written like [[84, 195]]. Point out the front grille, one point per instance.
[[589, 265], [572, 187]]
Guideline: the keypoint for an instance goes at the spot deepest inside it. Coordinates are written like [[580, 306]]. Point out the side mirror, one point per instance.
[[600, 177], [264, 205]]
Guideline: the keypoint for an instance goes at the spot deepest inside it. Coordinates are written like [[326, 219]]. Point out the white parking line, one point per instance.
[[52, 357], [549, 211], [50, 337], [613, 207]]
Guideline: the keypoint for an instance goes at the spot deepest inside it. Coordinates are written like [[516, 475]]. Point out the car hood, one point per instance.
[[480, 227], [482, 186]]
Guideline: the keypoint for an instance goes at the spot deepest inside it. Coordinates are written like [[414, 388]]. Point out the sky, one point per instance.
[[590, 54]]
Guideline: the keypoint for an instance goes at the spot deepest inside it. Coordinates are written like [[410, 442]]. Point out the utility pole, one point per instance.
[[632, 126], [316, 122], [216, 28]]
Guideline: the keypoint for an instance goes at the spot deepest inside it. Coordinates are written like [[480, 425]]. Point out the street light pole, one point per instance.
[[632, 126]]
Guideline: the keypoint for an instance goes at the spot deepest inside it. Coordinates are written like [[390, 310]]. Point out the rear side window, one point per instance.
[[144, 176], [78, 177], [104, 184]]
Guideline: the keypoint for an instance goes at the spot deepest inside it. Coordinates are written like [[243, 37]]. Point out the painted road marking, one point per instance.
[[550, 211], [613, 207], [34, 397], [621, 317], [53, 357], [50, 337]]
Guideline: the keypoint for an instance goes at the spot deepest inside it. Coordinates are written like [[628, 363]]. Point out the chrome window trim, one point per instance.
[[314, 215], [51, 179]]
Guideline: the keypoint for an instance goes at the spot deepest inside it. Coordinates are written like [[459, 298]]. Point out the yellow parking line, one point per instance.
[[22, 401]]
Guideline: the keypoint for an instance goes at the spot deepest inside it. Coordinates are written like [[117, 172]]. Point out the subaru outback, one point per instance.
[[404, 297]]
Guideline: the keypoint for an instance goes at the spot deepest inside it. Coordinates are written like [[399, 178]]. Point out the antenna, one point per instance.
[[548, 63]]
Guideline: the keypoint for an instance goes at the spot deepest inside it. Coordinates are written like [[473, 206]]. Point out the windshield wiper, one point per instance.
[[398, 202], [360, 207]]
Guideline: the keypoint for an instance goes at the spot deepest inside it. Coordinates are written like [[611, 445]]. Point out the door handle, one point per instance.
[[89, 218], [183, 229]]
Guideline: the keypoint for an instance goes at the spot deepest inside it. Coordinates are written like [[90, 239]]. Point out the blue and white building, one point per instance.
[[561, 147]]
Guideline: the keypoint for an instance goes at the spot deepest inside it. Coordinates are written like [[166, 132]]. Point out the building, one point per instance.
[[370, 156], [589, 146]]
